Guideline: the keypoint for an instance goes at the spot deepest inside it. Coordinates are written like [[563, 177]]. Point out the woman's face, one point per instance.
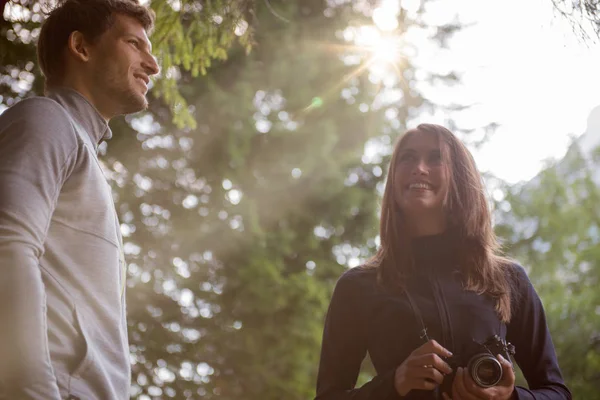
[[421, 179]]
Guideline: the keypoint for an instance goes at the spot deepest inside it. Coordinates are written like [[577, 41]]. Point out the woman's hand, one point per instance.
[[463, 387], [424, 369]]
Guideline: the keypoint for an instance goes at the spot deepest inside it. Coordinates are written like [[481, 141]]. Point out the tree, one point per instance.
[[250, 279], [552, 225], [189, 35], [237, 226], [240, 227], [580, 13]]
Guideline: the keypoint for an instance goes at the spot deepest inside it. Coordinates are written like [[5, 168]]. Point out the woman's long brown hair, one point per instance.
[[469, 221]]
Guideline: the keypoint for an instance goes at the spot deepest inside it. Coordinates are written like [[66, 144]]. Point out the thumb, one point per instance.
[[508, 373], [505, 363]]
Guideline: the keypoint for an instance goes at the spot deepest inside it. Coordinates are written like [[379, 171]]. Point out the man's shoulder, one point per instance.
[[38, 116], [36, 109]]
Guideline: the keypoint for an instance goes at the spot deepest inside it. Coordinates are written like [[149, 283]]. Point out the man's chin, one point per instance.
[[135, 103]]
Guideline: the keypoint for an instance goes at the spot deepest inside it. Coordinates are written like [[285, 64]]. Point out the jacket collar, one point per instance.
[[83, 112]]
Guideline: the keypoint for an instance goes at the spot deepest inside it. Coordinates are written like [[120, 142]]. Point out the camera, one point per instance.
[[481, 363]]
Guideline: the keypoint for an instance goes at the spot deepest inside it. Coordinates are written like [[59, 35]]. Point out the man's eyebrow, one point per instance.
[[143, 41]]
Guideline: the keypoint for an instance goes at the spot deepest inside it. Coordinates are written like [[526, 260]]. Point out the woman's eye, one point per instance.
[[407, 157], [135, 43], [435, 158]]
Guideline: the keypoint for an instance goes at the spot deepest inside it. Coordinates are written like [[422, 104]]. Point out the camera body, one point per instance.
[[480, 362]]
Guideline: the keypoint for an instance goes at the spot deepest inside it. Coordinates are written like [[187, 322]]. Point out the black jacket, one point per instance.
[[363, 317]]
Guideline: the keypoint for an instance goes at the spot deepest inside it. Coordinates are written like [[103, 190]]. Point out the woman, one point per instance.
[[436, 291]]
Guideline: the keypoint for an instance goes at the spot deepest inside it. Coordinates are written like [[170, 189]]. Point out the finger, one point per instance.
[[476, 391], [432, 347], [422, 384], [446, 397], [426, 372], [508, 374], [435, 361], [435, 347], [459, 387]]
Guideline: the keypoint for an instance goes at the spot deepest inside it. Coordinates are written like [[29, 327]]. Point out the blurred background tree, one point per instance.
[[252, 182], [584, 15], [551, 224]]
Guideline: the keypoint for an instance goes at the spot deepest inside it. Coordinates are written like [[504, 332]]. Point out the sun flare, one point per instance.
[[385, 50], [376, 50]]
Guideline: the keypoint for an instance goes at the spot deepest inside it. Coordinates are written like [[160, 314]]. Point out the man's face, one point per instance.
[[122, 64]]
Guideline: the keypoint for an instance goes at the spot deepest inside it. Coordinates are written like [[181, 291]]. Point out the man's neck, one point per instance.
[[79, 86]]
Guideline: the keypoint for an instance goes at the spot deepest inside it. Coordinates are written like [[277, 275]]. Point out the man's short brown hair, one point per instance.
[[90, 17]]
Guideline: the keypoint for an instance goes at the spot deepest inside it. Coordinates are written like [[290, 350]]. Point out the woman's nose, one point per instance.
[[420, 168]]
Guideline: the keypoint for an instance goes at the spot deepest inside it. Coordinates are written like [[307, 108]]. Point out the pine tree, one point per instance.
[[552, 226], [238, 224]]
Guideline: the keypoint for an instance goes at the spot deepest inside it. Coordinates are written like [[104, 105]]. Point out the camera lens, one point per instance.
[[485, 370]]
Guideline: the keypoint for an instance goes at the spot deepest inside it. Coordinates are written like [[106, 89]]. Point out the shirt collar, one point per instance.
[[83, 112]]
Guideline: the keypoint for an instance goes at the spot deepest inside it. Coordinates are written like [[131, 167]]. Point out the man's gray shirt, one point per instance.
[[63, 329]]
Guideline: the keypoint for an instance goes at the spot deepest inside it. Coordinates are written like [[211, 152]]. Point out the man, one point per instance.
[[63, 331]]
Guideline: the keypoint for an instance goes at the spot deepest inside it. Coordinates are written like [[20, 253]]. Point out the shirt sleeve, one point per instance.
[[344, 347], [36, 154], [534, 350]]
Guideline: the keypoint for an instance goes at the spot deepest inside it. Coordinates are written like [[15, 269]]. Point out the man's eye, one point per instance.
[[135, 43]]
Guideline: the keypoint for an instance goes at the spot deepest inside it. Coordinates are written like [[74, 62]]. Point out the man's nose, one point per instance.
[[150, 65]]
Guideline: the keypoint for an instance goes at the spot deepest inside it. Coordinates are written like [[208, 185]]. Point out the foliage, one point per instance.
[[189, 35], [245, 191], [240, 227], [552, 225], [583, 14]]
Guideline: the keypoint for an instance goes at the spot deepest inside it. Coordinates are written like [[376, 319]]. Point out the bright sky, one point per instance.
[[525, 69]]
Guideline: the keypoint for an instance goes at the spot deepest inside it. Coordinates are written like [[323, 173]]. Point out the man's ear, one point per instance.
[[78, 47]]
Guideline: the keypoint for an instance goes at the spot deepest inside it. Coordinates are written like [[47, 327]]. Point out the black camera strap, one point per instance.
[[437, 394], [418, 316]]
